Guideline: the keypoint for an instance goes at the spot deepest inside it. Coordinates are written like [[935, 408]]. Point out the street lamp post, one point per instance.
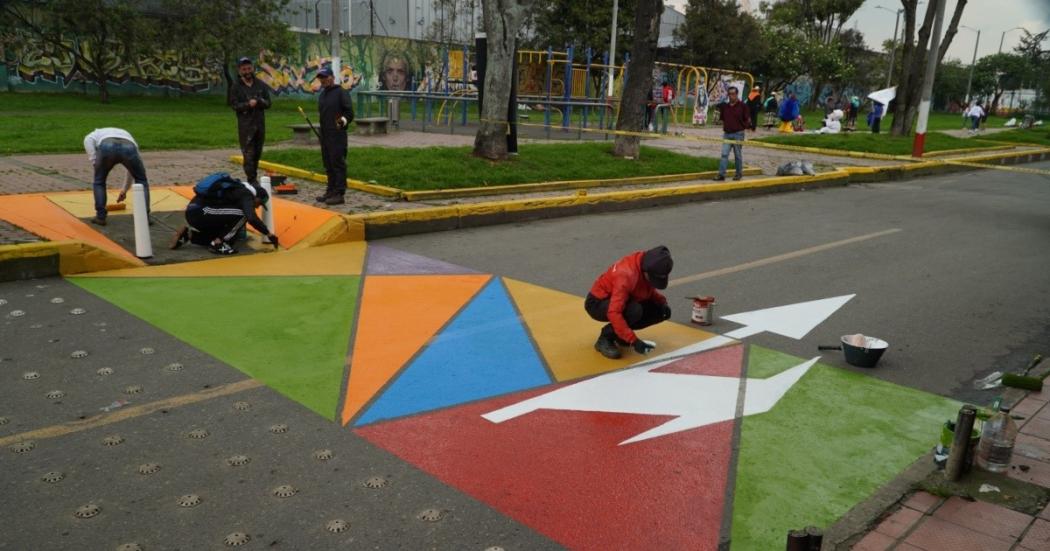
[[969, 81], [1003, 37], [612, 47], [893, 48]]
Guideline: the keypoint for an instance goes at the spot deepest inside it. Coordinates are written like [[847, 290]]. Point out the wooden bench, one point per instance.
[[301, 134], [370, 126]]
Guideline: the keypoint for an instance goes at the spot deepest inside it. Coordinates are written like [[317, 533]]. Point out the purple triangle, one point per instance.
[[386, 261]]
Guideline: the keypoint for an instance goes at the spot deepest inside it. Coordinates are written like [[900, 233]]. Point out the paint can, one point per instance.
[[703, 310]]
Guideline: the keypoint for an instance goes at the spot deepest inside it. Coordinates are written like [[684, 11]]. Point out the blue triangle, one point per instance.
[[483, 352]]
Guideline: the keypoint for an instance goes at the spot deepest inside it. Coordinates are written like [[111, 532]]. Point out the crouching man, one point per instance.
[[626, 297], [219, 210]]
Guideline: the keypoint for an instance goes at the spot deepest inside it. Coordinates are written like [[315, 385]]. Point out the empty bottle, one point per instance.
[[997, 442]]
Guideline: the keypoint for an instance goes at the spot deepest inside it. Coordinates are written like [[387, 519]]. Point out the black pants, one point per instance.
[[333, 154], [252, 137], [639, 315], [208, 223], [875, 125]]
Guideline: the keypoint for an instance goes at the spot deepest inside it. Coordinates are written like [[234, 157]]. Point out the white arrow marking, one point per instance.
[[792, 320], [694, 400]]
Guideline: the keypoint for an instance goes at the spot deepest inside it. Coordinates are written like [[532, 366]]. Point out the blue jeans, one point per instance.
[[976, 122], [738, 154], [112, 152]]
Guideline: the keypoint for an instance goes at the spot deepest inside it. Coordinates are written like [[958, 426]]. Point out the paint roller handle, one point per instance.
[[303, 113], [824, 347], [1035, 361]]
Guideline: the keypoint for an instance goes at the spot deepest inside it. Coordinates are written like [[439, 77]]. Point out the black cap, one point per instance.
[[324, 72], [657, 264], [244, 61]]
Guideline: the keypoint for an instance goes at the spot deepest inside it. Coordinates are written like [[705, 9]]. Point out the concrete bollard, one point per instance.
[[143, 244], [267, 217]]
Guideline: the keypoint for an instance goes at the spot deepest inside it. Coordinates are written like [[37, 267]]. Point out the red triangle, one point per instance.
[[720, 362]]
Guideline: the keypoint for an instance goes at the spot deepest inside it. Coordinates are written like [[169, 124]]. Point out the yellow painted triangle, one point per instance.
[[82, 205], [329, 260], [565, 334]]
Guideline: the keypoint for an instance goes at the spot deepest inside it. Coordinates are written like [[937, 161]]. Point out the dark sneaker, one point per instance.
[[720, 178], [321, 198], [98, 221], [737, 177], [222, 248], [622, 342], [607, 347], [335, 200], [181, 238]]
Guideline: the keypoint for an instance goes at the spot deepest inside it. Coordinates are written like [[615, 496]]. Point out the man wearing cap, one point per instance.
[[335, 112], [249, 99], [215, 218], [626, 297]]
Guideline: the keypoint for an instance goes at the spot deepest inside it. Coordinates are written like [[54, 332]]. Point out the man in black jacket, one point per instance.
[[215, 218], [250, 98], [335, 113]]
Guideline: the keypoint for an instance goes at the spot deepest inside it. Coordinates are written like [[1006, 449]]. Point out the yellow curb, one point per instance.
[[560, 185], [1013, 154], [338, 229], [374, 189], [75, 257], [967, 150]]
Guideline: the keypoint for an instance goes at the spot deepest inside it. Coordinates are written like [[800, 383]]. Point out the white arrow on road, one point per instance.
[[792, 320]]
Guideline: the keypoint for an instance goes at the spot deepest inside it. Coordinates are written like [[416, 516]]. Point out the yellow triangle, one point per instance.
[[565, 334]]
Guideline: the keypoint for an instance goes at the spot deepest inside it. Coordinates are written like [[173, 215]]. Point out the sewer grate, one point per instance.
[[236, 538], [431, 515], [146, 350], [376, 482], [189, 500], [237, 460], [198, 434], [57, 300], [23, 447], [174, 366], [55, 394], [133, 389], [77, 354], [285, 490], [103, 371], [113, 440], [323, 455], [17, 313], [31, 375], [337, 526], [149, 468], [129, 547], [87, 511], [242, 406], [279, 428], [52, 477], [78, 311]]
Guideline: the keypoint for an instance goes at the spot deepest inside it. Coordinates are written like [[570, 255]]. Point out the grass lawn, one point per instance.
[[57, 123], [454, 167], [1039, 135], [876, 143], [938, 121]]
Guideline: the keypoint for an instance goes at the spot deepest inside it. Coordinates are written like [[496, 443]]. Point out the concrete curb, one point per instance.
[[50, 258], [944, 152], [374, 189]]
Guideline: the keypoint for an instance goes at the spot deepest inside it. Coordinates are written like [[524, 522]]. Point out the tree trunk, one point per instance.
[[639, 76], [502, 19]]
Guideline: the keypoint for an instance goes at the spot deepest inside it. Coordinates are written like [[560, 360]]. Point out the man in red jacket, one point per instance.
[[626, 297]]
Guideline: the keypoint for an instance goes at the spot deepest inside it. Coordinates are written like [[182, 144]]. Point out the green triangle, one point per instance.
[[290, 333]]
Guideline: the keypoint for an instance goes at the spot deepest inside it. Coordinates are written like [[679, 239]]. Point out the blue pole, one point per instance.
[[605, 86], [466, 82], [566, 112], [547, 108], [587, 87]]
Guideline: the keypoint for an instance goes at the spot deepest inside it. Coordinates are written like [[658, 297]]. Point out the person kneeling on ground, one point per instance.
[[626, 297], [219, 209]]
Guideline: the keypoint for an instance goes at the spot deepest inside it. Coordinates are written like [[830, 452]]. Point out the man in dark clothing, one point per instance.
[[214, 219], [736, 118], [250, 98], [335, 113], [754, 105], [626, 297]]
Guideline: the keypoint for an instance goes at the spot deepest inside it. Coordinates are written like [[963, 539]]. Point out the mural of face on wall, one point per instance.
[[395, 73]]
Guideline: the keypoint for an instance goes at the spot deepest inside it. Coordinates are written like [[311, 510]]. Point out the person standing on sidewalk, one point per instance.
[[736, 118], [626, 297], [250, 99], [335, 113], [106, 148]]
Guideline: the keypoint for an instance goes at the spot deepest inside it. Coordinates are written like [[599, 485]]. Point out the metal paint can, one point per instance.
[[703, 310]]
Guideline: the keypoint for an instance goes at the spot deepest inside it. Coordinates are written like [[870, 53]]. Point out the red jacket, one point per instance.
[[621, 283], [736, 117]]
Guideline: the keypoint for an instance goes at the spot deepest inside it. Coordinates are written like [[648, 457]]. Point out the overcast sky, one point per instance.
[[992, 17]]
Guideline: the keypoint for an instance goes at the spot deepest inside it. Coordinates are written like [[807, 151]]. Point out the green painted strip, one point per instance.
[[291, 334], [831, 441]]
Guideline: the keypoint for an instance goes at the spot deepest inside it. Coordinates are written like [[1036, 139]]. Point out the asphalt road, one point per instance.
[[959, 291]]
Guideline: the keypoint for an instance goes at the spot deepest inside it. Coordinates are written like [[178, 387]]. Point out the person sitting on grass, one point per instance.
[[218, 211], [626, 297]]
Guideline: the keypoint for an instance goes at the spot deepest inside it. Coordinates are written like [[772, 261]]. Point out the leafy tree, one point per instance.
[[996, 73], [819, 20], [950, 87], [1031, 49], [94, 32], [716, 33], [502, 21], [639, 76], [581, 23]]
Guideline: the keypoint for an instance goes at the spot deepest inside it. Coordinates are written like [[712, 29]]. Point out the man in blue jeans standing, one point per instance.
[[736, 118], [106, 148]]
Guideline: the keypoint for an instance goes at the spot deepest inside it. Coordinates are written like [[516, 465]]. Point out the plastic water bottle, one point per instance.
[[997, 442]]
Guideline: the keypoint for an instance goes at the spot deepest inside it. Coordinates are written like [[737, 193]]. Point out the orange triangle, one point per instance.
[[398, 315]]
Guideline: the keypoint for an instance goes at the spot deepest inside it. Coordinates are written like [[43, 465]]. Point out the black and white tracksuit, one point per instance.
[[210, 218]]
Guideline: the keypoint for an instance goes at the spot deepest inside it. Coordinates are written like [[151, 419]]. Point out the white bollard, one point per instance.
[[267, 217], [143, 244]]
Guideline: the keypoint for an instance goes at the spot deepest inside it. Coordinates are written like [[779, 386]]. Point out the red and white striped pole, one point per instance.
[[927, 82]]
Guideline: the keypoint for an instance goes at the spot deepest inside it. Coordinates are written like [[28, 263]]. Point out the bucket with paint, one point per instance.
[[703, 310], [860, 350]]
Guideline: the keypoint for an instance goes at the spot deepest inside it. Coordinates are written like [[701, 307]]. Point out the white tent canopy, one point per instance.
[[884, 96]]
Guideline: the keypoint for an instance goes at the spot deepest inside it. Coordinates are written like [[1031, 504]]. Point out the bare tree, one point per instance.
[[639, 76], [502, 21]]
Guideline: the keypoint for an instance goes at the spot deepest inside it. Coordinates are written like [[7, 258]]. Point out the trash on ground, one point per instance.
[[986, 488]]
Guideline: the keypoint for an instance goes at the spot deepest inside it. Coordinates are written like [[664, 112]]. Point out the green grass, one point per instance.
[[1039, 136], [57, 123], [454, 167], [876, 143]]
